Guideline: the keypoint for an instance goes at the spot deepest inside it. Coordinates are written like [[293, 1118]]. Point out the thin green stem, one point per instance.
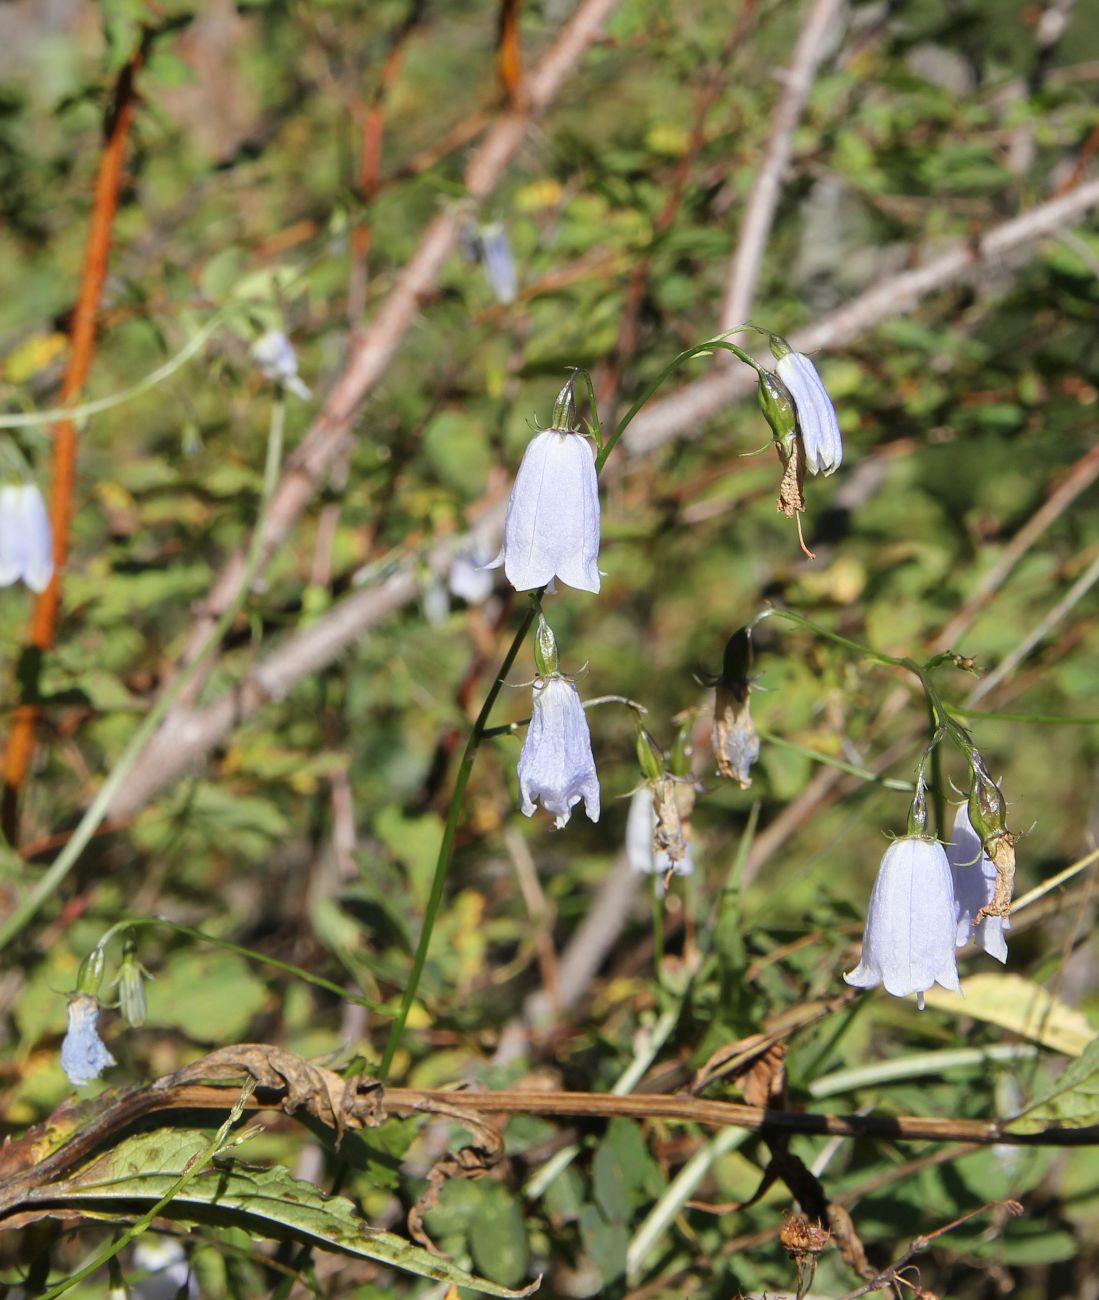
[[890, 661], [701, 349], [318, 981], [194, 1167], [151, 380], [446, 848], [97, 809], [852, 769]]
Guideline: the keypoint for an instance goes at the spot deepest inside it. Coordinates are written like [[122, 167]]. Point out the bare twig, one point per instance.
[[44, 620], [759, 213], [683, 414]]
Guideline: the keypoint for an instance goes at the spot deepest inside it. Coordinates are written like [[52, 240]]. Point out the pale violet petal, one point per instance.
[[640, 824], [499, 263], [820, 430], [38, 549], [10, 565], [974, 876], [556, 767], [909, 941], [84, 1055], [552, 524]]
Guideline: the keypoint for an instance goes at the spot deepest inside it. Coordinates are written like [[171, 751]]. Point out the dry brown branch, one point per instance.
[[759, 213], [288, 1083], [333, 431], [684, 414]]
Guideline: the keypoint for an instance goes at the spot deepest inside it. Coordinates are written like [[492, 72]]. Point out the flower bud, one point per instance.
[[650, 757], [90, 975], [131, 987], [545, 648]]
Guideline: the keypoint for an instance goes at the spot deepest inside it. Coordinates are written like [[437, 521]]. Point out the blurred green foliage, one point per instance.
[[310, 834]]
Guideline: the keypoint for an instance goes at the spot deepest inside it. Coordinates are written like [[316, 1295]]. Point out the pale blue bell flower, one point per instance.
[[274, 354], [468, 579], [499, 263], [26, 539], [556, 766], [974, 875], [84, 1055], [820, 430], [552, 524], [911, 923]]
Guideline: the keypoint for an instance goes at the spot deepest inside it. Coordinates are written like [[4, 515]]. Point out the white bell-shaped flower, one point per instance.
[[911, 923], [974, 875], [552, 524], [556, 766], [820, 430], [274, 354], [26, 541], [84, 1055]]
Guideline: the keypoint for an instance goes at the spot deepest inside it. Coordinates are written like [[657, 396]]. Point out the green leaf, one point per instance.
[[264, 1202], [1072, 1100], [210, 994], [498, 1237]]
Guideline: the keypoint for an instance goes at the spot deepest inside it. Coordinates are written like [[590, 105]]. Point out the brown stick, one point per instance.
[[43, 626], [760, 210]]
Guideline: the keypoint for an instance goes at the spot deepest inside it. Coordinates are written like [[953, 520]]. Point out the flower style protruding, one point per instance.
[[552, 524], [84, 1055], [911, 923], [26, 540], [274, 354], [556, 766], [975, 877], [820, 430]]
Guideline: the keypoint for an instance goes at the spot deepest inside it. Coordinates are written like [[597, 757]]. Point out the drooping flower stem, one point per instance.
[[97, 809], [446, 848]]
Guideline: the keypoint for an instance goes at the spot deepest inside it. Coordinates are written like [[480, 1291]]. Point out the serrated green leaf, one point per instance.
[[264, 1202], [1072, 1100]]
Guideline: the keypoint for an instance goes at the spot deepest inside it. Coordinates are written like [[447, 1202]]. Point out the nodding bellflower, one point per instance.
[[974, 875], [274, 354], [556, 764], [499, 263], [26, 541], [820, 430], [552, 524], [84, 1055], [911, 923]]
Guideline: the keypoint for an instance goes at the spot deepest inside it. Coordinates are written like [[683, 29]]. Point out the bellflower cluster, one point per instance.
[[84, 1055], [552, 525], [26, 541], [274, 354]]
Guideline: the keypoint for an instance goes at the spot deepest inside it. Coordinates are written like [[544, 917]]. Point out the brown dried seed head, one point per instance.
[[800, 1237]]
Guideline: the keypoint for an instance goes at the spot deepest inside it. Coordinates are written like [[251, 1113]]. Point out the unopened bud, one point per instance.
[[90, 975], [564, 408], [131, 987], [545, 649], [650, 757]]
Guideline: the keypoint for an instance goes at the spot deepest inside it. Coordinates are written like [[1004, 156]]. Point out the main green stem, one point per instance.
[[97, 809], [446, 848]]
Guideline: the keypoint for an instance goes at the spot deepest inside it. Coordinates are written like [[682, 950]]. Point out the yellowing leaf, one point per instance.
[[33, 356], [1016, 1004]]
